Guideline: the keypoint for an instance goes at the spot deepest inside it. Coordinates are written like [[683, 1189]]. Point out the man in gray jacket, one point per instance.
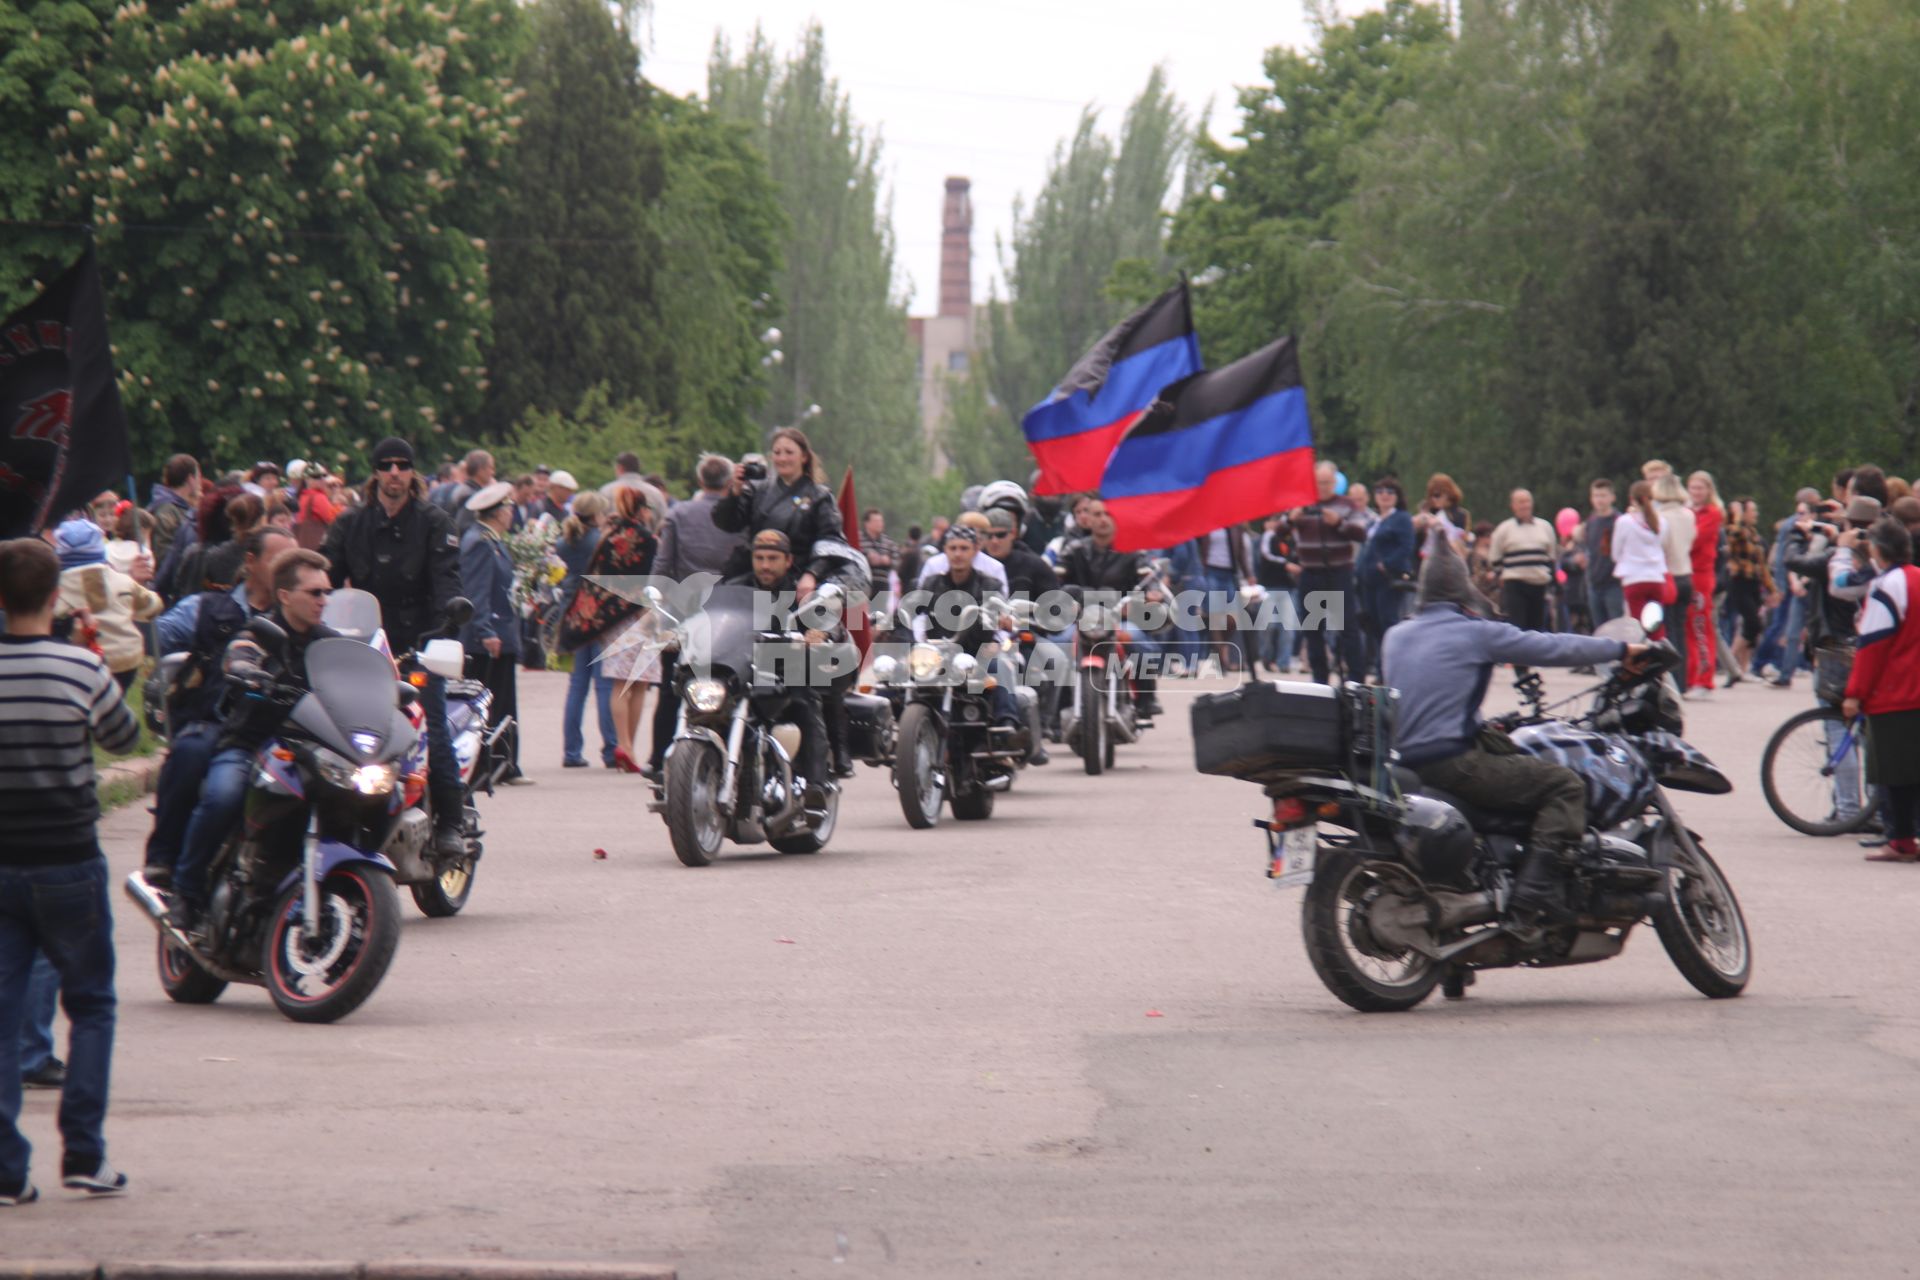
[[1441, 660], [690, 543]]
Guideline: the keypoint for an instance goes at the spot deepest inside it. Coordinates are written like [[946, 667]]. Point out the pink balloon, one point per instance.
[[1567, 521]]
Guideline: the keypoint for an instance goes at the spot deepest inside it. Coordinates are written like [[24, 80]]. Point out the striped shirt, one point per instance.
[[56, 701]]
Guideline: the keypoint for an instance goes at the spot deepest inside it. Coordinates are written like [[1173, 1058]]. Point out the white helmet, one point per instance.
[[1005, 493]]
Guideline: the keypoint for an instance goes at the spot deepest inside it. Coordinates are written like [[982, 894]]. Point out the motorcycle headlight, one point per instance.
[[964, 663], [367, 779], [924, 662], [706, 696], [884, 669], [374, 779]]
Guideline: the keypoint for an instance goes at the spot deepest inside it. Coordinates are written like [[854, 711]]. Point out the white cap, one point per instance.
[[296, 469], [563, 480], [490, 497]]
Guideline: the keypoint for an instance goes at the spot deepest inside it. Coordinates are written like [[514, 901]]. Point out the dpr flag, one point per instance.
[[1215, 449], [1073, 431], [65, 435]]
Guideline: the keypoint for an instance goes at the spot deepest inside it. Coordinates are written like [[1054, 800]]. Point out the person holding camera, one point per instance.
[[1326, 539], [793, 500]]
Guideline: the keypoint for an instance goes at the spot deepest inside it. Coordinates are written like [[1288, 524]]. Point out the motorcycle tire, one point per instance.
[[1795, 748], [973, 806], [445, 894], [1334, 932], [815, 840], [1094, 747], [916, 765], [182, 978], [1701, 927], [694, 821], [361, 931]]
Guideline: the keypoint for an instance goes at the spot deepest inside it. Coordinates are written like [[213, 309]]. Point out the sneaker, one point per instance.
[[27, 1194], [1784, 682], [103, 1181], [1768, 672], [51, 1074], [578, 762]]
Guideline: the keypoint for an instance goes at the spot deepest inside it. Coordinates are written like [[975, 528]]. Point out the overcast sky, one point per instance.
[[987, 88]]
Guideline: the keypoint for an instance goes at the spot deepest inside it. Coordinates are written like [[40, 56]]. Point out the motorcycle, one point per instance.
[[729, 769], [1407, 887], [1103, 681], [302, 900], [440, 887], [945, 744]]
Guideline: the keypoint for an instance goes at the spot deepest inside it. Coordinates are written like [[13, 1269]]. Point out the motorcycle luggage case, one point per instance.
[[869, 726], [1263, 728]]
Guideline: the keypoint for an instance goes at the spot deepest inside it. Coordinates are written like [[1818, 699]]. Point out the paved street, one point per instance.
[[934, 1054]]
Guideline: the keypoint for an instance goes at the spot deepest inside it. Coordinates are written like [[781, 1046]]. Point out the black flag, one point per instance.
[[63, 435]]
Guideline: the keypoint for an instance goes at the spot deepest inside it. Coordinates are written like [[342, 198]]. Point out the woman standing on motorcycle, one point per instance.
[[793, 500], [1885, 684]]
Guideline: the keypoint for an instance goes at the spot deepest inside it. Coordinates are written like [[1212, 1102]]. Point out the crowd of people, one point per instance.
[[1825, 587]]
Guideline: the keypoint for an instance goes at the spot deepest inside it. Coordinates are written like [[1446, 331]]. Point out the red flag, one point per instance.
[[850, 522]]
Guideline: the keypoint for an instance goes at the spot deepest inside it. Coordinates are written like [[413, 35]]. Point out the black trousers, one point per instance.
[[1524, 603], [1553, 793], [1349, 641], [498, 674]]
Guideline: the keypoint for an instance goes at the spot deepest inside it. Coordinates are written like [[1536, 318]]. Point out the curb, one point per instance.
[[460, 1269], [143, 773]]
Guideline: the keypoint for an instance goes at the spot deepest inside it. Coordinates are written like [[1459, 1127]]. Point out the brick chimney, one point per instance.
[[956, 250]]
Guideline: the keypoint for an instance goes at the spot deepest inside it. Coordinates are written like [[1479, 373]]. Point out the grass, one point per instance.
[[145, 744]]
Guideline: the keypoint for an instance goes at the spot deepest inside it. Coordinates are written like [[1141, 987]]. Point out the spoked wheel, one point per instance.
[[1095, 750], [182, 978], [815, 840], [1366, 973], [327, 975], [916, 767], [1702, 929], [447, 892], [1814, 774], [694, 820]]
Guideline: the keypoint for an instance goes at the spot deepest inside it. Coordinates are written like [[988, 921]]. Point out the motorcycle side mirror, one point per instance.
[[269, 635], [459, 612], [1651, 616]]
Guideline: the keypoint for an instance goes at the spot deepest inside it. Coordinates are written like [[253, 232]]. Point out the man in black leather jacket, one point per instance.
[[772, 572]]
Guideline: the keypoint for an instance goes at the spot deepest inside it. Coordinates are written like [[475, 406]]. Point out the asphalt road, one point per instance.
[[1081, 1039]]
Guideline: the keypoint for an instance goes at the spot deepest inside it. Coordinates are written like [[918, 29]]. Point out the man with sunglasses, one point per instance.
[[300, 590], [402, 550]]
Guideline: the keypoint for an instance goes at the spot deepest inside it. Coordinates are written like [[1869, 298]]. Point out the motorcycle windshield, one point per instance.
[[353, 613], [353, 705], [721, 635]]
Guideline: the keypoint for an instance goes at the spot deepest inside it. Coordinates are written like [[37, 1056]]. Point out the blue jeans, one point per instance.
[[222, 797], [36, 1033], [443, 771], [188, 754], [587, 672], [63, 912], [1605, 601]]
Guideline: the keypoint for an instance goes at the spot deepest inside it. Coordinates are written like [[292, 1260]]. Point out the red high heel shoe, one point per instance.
[[624, 762]]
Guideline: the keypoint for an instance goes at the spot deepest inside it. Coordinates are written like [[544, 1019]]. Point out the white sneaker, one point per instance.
[[104, 1181], [1697, 695]]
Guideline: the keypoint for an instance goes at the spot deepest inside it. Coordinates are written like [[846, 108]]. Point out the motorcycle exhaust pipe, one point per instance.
[[148, 899], [998, 782]]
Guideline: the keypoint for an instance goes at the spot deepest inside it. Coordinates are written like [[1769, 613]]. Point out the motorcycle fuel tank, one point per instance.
[[1619, 783]]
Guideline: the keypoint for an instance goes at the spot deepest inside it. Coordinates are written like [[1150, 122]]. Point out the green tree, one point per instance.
[[844, 343], [289, 201]]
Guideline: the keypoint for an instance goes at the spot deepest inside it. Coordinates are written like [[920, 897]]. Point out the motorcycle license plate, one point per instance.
[[1293, 857]]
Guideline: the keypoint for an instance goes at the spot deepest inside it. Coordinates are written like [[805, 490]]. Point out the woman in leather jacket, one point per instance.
[[793, 500]]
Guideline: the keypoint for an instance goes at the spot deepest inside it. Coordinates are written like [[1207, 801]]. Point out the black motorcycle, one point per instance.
[[730, 769], [1408, 887], [946, 746], [301, 898]]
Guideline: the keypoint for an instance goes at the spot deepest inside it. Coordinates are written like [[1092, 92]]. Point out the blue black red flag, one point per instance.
[[63, 435], [1214, 449], [1073, 431]]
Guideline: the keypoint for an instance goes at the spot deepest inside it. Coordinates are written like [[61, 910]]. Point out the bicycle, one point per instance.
[[1814, 770]]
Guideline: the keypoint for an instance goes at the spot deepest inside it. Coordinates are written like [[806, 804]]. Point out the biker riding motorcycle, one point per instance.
[[773, 572], [1092, 564], [846, 571], [932, 611], [300, 594], [402, 550], [1031, 578], [1441, 660]]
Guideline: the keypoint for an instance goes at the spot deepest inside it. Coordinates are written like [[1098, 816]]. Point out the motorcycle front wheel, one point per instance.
[[1363, 972], [182, 978], [815, 840], [1702, 929], [916, 766], [1095, 751], [694, 820], [325, 977]]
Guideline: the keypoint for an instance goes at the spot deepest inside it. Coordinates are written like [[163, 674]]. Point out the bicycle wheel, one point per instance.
[[1814, 774]]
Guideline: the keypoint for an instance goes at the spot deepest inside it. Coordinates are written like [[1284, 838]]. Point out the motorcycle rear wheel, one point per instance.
[[182, 978], [360, 927], [1349, 962], [446, 893], [916, 767], [1702, 929], [694, 821], [973, 806]]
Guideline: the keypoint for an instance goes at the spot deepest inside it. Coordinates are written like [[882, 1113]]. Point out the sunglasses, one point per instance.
[[393, 464], [318, 593]]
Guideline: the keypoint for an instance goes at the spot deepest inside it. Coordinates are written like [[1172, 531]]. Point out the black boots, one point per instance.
[[1540, 890]]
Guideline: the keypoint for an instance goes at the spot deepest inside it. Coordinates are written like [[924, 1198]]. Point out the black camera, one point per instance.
[[753, 472]]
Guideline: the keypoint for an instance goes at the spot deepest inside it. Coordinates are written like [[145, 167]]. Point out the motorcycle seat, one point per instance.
[[1488, 822]]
